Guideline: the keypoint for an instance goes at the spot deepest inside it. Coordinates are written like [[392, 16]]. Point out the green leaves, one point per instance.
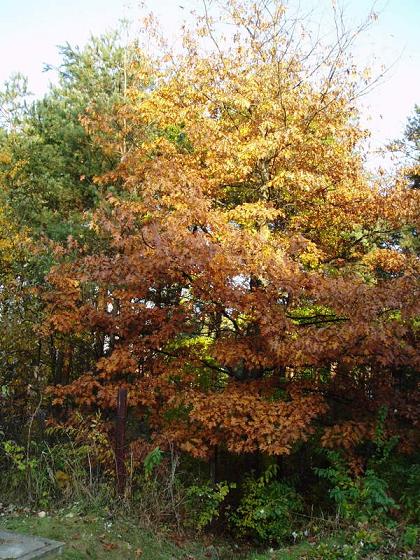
[[267, 508], [152, 460], [362, 497], [204, 502]]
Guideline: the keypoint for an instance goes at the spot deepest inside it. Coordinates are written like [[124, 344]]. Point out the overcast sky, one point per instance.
[[30, 31]]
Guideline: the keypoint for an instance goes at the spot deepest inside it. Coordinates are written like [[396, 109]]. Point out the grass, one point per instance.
[[94, 537], [295, 552]]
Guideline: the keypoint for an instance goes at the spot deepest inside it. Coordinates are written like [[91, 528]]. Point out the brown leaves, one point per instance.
[[347, 435], [245, 421]]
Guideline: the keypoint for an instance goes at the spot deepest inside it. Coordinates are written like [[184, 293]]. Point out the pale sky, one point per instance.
[[30, 31]]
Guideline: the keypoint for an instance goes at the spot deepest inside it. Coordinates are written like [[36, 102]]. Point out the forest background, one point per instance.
[[203, 226]]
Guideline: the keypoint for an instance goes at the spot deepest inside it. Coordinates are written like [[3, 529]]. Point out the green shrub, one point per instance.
[[151, 461], [408, 484], [410, 537], [204, 502], [267, 508], [357, 498]]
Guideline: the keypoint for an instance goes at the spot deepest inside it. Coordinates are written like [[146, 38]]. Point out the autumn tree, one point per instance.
[[246, 290]]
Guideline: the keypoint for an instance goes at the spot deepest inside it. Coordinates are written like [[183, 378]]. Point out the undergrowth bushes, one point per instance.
[[267, 508], [67, 466], [357, 498], [75, 467]]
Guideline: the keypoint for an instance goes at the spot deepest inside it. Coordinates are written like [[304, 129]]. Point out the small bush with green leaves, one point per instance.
[[267, 508], [410, 498], [356, 497], [204, 502], [411, 536], [151, 461]]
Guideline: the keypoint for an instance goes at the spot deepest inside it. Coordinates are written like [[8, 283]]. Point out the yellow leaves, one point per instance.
[[309, 259], [13, 242], [5, 158], [311, 256], [254, 215], [388, 260], [63, 480], [242, 103], [305, 251]]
